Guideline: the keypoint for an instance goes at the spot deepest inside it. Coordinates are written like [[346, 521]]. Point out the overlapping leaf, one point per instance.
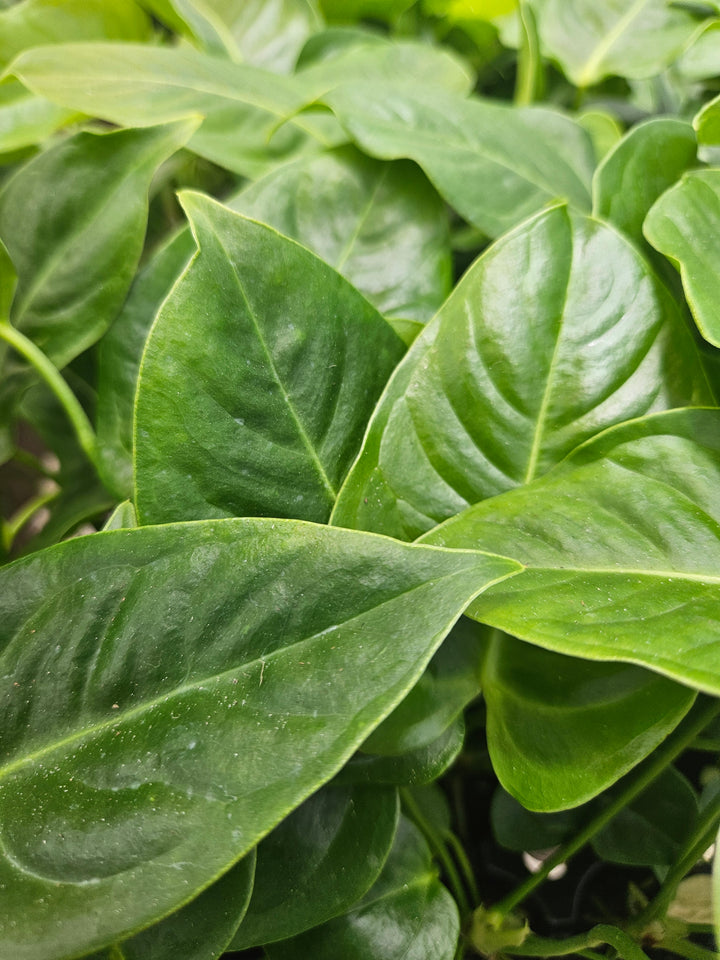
[[258, 379], [622, 544], [485, 401], [26, 120], [494, 163], [173, 692]]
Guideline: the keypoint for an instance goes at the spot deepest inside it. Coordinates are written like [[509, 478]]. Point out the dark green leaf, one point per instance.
[[622, 547], [483, 402], [173, 692], [319, 861], [494, 163], [255, 404], [406, 915]]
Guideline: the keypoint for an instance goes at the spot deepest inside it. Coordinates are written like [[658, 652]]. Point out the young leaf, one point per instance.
[[174, 692], [646, 162], [593, 40], [255, 404], [319, 861], [482, 402], [406, 915], [543, 714], [683, 225], [73, 220], [621, 546], [494, 163]]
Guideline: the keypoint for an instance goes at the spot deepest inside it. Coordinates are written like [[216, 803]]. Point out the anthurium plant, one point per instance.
[[360, 445]]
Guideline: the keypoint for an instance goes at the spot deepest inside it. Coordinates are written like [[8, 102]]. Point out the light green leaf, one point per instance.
[[483, 402], [701, 61], [26, 120], [593, 40], [254, 405], [73, 220], [201, 930], [8, 282], [622, 547], [544, 711], [683, 225], [122, 518], [351, 211], [319, 861], [32, 23], [494, 163], [646, 162], [604, 129], [406, 915], [238, 666]]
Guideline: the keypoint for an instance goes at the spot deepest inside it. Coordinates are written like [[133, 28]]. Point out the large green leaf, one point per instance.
[[648, 160], [544, 711], [202, 930], [73, 220], [406, 915], [593, 40], [494, 163], [254, 404], [379, 224], [174, 692], [683, 225], [251, 119], [35, 22], [25, 119], [319, 861], [622, 547], [483, 401]]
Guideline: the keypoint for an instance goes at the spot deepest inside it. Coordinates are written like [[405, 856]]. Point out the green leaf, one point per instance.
[[351, 210], [622, 549], [450, 683], [122, 518], [646, 162], [202, 930], [420, 766], [174, 692], [251, 119], [482, 402], [592, 40], [32, 23], [256, 404], [352, 10], [406, 915], [494, 163], [26, 120], [654, 829], [319, 861], [544, 711], [8, 282], [517, 828], [701, 61], [683, 226], [73, 220]]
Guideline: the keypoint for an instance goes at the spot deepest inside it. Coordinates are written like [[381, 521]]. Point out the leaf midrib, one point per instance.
[[587, 74]]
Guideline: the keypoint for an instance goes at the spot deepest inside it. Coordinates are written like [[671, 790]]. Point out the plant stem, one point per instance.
[[440, 850], [464, 863], [687, 949], [14, 525], [51, 375], [624, 944], [699, 716], [528, 80]]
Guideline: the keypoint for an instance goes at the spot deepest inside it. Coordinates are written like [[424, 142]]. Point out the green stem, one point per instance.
[[464, 863], [698, 717], [528, 79], [50, 374], [14, 525], [440, 850], [603, 933], [687, 949], [31, 462]]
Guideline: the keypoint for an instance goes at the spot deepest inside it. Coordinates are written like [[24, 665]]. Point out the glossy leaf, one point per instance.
[[351, 210], [482, 403], [494, 163], [622, 548], [26, 120], [280, 371], [32, 23], [202, 930], [450, 683], [73, 220], [646, 162], [593, 40], [406, 915], [544, 711], [683, 225], [133, 749], [251, 119], [319, 861]]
